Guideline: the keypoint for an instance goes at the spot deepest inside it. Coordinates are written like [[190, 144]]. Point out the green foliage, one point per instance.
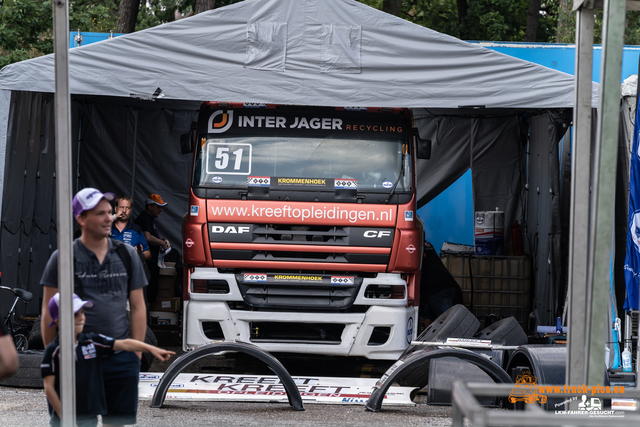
[[26, 26]]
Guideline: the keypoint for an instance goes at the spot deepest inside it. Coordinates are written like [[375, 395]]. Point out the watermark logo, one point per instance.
[[526, 389]]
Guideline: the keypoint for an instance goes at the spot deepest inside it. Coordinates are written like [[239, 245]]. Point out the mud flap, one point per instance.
[[414, 368], [182, 362]]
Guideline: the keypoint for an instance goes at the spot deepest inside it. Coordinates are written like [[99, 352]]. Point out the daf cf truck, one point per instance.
[[302, 234]]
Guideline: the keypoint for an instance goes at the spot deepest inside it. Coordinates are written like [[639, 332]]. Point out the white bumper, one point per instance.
[[354, 341]]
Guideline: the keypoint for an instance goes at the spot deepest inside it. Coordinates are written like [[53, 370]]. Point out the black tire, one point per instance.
[[35, 336], [457, 322], [28, 375], [504, 332], [147, 358]]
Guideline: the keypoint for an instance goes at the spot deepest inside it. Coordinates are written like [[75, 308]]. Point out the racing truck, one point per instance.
[[302, 234]]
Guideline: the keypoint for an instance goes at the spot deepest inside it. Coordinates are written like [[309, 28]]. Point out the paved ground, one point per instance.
[[27, 407]]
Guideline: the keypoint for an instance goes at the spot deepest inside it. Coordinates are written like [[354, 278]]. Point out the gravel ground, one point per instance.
[[27, 407]]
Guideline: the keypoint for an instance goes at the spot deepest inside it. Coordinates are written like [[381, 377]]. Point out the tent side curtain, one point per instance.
[[124, 146]]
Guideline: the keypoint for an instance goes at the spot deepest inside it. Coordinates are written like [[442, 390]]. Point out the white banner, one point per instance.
[[269, 388]]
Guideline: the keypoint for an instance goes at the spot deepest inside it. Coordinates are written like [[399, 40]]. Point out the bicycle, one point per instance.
[[19, 329]]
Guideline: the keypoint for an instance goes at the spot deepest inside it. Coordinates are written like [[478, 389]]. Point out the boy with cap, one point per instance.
[[90, 348], [110, 274]]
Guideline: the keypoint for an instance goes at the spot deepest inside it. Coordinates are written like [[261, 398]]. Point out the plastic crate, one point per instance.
[[501, 284]]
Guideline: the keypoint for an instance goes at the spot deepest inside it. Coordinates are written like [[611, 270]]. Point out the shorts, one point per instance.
[[120, 374], [81, 420]]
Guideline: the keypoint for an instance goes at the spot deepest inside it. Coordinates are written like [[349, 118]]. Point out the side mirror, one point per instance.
[[423, 146], [187, 140]]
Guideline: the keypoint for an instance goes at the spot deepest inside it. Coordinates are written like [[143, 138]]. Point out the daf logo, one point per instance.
[[219, 229], [371, 234]]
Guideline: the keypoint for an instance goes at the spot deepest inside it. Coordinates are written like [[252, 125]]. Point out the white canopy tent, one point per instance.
[[135, 94]]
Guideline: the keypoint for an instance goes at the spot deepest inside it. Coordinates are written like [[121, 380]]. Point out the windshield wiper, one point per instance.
[[395, 184]]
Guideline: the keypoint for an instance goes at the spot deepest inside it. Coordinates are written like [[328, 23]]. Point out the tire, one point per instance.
[[28, 375], [147, 358], [35, 336], [456, 322], [504, 332]]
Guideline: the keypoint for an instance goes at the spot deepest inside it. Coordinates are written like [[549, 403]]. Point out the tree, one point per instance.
[[127, 16], [394, 7], [204, 5], [533, 19]]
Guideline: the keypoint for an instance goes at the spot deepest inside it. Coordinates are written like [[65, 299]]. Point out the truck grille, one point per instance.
[[302, 291]]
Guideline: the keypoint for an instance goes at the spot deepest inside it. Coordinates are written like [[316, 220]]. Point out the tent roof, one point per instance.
[[313, 52]]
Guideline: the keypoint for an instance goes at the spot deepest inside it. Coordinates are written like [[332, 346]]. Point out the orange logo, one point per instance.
[[526, 389], [223, 124]]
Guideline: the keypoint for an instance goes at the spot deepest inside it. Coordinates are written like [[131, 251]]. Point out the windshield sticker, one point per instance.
[[346, 183], [258, 181], [216, 179], [228, 158], [299, 183], [408, 215], [387, 184]]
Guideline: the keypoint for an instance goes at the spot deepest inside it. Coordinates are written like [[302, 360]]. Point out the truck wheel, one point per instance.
[[504, 332], [35, 336], [147, 358], [28, 375], [456, 322]]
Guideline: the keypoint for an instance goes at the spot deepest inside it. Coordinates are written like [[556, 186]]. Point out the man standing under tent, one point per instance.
[[109, 273], [146, 220], [125, 230]]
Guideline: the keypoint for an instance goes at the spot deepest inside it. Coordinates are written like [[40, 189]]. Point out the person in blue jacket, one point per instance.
[[127, 231]]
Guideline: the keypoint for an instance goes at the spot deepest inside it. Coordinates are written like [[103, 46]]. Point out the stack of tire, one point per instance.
[[458, 322]]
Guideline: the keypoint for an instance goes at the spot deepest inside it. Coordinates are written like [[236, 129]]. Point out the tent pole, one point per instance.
[[135, 151], [64, 191], [579, 212], [603, 192]]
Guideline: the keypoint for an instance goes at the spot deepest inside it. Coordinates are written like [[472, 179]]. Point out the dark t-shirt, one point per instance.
[[3, 330], [90, 398], [147, 223], [105, 284]]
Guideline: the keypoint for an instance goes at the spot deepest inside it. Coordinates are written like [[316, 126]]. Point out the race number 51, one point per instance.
[[228, 159]]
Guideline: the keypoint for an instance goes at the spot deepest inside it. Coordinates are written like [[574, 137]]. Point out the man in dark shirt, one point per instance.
[[146, 221], [100, 275], [439, 291]]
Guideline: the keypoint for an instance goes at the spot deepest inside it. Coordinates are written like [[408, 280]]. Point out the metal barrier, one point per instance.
[[293, 394], [464, 404]]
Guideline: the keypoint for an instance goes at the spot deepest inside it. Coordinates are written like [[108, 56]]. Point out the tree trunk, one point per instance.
[[393, 7], [204, 5], [127, 16], [462, 14], [566, 32], [533, 19]]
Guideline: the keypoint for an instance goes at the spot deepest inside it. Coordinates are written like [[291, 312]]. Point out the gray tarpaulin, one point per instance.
[[132, 96]]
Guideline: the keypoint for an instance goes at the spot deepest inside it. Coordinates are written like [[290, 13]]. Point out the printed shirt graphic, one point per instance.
[[632, 259]]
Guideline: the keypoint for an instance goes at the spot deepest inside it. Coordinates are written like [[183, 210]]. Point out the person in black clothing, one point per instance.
[[146, 221], [90, 348], [439, 291]]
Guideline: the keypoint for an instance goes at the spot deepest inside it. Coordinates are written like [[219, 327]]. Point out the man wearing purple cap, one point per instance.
[[102, 276]]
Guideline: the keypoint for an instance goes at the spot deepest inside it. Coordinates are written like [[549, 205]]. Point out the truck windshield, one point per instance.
[[302, 163]]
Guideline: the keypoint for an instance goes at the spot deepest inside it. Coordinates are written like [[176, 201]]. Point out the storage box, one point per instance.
[[501, 284], [165, 304], [163, 318], [166, 281]]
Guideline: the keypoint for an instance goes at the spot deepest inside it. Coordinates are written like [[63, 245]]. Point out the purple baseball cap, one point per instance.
[[88, 198], [54, 303]]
